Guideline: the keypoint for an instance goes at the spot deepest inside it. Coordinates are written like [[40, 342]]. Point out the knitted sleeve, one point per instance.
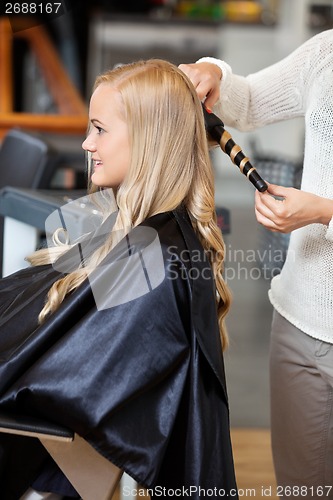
[[329, 232], [275, 93]]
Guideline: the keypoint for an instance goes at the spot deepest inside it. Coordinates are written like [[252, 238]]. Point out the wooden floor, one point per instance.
[[253, 464]]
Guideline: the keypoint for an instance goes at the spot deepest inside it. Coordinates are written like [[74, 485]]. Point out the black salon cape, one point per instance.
[[143, 382]]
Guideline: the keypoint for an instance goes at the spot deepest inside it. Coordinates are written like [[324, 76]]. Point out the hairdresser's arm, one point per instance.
[[273, 94], [248, 102], [297, 209]]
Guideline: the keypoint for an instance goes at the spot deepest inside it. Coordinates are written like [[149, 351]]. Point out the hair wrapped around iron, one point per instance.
[[215, 129]]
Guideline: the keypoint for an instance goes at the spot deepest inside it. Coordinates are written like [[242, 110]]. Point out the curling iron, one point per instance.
[[215, 129]]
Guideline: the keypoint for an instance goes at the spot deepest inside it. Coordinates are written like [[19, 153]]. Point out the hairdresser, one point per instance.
[[301, 358]]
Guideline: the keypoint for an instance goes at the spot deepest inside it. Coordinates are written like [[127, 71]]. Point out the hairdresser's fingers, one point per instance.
[[206, 78], [273, 199], [192, 71], [282, 207], [266, 221], [263, 212], [201, 84], [263, 201], [212, 98], [277, 195]]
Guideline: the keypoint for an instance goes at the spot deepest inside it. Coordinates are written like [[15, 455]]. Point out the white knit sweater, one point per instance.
[[299, 85]]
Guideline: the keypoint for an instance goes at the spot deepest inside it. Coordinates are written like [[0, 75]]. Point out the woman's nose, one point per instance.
[[88, 144]]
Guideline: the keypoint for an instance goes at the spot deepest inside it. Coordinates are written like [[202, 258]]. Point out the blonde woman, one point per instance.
[[127, 348]]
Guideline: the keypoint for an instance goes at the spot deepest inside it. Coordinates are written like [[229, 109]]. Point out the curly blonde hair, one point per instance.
[[170, 165]]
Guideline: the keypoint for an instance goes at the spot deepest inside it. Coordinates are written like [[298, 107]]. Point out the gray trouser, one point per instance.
[[301, 412]]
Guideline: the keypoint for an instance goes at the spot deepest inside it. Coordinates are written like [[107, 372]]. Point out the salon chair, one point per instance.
[[26, 161], [93, 476]]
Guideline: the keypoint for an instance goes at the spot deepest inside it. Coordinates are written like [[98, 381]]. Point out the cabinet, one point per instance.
[[113, 40]]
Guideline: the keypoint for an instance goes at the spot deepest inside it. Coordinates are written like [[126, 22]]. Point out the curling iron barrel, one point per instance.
[[215, 129]]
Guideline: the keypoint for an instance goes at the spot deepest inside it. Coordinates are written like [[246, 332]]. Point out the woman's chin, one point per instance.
[[99, 180]]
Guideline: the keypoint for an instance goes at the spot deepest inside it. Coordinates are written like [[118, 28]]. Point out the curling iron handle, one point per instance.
[[257, 181]]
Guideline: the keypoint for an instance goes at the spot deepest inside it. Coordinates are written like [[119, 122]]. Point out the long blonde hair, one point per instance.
[[170, 165]]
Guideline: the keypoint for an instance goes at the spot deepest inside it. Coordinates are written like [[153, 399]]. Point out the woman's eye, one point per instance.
[[99, 129]]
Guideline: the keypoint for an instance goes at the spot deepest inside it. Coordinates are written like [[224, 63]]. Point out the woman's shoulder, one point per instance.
[[174, 230]]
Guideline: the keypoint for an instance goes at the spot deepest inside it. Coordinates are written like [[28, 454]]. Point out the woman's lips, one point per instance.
[[97, 163]]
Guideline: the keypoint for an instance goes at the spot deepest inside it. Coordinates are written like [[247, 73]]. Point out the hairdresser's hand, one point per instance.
[[206, 78], [295, 210]]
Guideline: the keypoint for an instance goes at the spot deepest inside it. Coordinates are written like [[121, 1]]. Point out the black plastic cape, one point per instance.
[[142, 381]]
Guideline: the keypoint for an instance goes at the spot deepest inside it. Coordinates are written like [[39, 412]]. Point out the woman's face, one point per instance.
[[107, 140]]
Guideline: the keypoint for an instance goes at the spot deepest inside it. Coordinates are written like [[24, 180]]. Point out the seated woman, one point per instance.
[[127, 348]]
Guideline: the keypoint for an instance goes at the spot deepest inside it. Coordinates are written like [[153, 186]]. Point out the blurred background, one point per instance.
[[46, 91]]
